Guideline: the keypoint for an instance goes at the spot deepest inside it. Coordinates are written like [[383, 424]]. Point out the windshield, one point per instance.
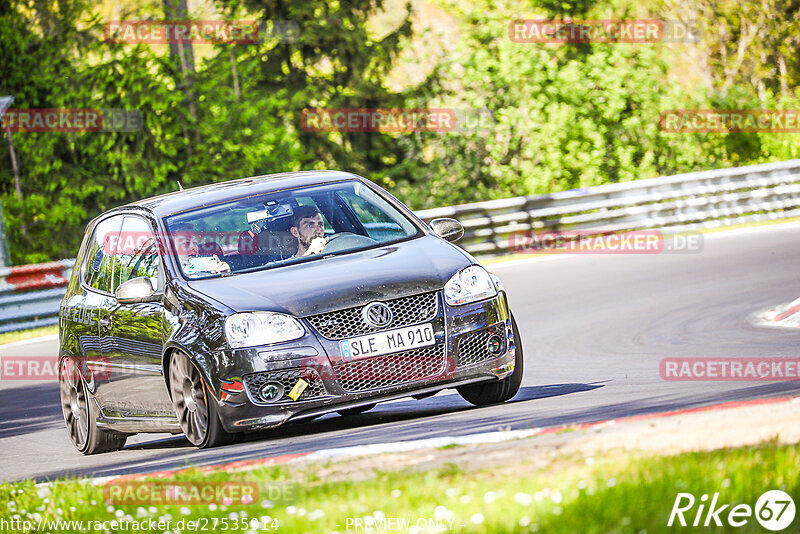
[[274, 229]]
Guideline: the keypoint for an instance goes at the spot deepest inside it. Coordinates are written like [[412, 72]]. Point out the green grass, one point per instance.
[[21, 335], [612, 494]]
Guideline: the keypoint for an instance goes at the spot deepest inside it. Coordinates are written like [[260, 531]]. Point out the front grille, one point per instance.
[[472, 348], [406, 311], [288, 378], [393, 369]]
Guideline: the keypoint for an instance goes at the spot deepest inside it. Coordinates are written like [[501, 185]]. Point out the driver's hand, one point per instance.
[[316, 246]]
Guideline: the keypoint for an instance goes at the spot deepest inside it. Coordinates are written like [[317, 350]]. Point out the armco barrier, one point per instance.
[[30, 294], [682, 202]]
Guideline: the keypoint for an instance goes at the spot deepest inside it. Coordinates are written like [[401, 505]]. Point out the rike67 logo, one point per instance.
[[774, 511]]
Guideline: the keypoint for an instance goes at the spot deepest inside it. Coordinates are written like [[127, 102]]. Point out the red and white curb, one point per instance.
[[412, 445], [783, 315]]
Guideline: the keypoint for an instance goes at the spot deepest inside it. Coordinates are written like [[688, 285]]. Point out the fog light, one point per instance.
[[495, 345], [271, 391]]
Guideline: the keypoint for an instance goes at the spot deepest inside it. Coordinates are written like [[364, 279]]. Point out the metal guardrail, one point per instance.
[[30, 294], [682, 202]]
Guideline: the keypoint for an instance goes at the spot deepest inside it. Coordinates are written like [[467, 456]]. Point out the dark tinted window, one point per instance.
[[98, 269]]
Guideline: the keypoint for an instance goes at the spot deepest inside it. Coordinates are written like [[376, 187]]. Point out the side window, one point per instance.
[[98, 267], [137, 254]]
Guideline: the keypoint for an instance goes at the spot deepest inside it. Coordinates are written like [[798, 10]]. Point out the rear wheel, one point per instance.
[[196, 410], [357, 410], [483, 394], [81, 412]]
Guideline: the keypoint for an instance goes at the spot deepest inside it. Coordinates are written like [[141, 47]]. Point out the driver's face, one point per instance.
[[309, 228]]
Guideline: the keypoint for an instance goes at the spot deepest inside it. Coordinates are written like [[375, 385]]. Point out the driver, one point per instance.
[[309, 229]]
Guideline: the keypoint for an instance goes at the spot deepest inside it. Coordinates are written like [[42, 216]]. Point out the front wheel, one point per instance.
[[80, 413], [483, 394], [196, 411]]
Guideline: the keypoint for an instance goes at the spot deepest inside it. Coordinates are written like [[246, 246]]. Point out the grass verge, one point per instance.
[[21, 335], [616, 493]]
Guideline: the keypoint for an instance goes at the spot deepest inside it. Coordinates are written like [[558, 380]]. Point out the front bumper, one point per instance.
[[459, 357]]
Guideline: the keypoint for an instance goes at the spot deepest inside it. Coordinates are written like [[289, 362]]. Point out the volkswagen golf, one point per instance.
[[241, 305]]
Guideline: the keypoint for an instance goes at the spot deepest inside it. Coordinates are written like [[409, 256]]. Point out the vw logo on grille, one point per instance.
[[377, 315]]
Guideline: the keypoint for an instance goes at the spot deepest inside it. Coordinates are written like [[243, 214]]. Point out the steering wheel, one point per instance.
[[346, 240]]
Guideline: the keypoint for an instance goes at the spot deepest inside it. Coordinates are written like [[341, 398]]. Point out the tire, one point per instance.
[[484, 394], [357, 410], [81, 413], [195, 408]]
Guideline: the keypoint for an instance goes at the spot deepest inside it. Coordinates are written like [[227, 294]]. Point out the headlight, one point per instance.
[[469, 285], [261, 328]]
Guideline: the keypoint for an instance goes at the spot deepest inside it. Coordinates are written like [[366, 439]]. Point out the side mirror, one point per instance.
[[448, 229], [136, 290]]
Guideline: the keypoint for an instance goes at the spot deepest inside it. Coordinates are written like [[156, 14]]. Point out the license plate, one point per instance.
[[411, 337]]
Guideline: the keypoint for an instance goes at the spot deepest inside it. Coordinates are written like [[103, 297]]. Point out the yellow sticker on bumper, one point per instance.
[[298, 389]]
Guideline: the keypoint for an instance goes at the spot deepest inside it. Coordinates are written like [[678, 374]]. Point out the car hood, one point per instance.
[[416, 266]]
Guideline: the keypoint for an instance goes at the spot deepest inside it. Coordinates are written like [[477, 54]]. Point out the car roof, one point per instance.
[[197, 197]]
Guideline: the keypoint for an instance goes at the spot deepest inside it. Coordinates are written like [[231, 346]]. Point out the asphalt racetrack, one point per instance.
[[595, 328]]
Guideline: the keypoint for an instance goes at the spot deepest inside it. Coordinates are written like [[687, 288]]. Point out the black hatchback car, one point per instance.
[[241, 305]]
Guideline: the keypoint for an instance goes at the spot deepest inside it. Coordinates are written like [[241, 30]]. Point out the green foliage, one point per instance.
[[562, 116]]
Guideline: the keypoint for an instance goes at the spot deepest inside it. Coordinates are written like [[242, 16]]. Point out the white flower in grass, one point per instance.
[[12, 505], [72, 509], [233, 516], [538, 496], [611, 482], [396, 493], [523, 499], [378, 515], [301, 512], [581, 484], [266, 503], [452, 492], [110, 509], [185, 511], [94, 502], [726, 483], [153, 509], [524, 521], [556, 497], [590, 461], [265, 520], [557, 510], [465, 499], [489, 497], [119, 513], [43, 492], [442, 513], [291, 510], [476, 518], [212, 506], [316, 514]]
